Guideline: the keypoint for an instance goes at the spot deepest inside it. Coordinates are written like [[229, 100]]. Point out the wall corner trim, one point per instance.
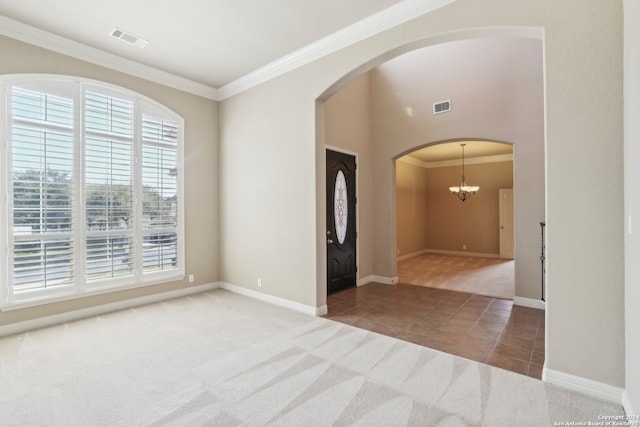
[[281, 302], [83, 313], [585, 386], [322, 310], [626, 405], [529, 302], [378, 279]]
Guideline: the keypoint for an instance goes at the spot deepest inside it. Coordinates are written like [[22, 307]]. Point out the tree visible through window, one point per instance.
[[95, 199]]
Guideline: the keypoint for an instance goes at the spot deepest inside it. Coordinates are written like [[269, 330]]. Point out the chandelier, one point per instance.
[[464, 191]]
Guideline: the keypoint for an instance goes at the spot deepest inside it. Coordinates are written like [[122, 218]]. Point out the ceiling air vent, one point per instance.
[[129, 38], [442, 107]]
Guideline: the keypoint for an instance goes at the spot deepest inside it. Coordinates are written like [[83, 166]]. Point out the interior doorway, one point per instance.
[[454, 243], [382, 112]]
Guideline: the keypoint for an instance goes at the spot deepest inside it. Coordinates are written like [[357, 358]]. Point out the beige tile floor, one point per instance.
[[459, 305], [482, 276]]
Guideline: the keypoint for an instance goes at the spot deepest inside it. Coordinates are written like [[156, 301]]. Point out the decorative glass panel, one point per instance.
[[340, 210]]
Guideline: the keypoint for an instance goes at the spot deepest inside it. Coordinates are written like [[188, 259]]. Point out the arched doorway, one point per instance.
[[495, 94], [504, 107], [447, 243]]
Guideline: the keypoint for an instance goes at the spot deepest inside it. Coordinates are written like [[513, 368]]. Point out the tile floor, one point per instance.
[[481, 328], [492, 277]]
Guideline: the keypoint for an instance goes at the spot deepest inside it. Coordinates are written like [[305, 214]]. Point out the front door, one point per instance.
[[341, 221]]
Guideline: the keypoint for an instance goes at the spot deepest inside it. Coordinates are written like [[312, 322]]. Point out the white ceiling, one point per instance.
[[210, 42]]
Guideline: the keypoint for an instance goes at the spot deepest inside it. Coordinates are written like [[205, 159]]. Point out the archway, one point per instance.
[[520, 119], [445, 243]]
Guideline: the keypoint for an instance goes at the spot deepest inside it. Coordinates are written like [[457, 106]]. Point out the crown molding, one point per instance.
[[35, 36], [467, 161], [413, 161], [388, 18], [374, 24]]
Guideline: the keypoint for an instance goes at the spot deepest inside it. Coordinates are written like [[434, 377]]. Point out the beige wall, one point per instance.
[[272, 170], [430, 217], [412, 217], [632, 203], [473, 223], [200, 161]]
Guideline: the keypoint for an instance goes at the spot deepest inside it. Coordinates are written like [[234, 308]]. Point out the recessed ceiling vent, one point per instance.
[[129, 38], [442, 107]]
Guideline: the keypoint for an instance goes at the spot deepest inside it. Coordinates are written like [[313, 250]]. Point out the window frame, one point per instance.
[[81, 286]]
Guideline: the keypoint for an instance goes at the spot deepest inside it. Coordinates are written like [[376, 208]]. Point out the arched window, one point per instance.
[[93, 194]]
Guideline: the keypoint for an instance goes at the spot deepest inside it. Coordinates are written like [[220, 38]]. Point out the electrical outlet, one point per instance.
[[192, 278], [259, 283]]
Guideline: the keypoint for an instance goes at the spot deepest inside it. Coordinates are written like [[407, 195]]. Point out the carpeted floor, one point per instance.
[[220, 359], [481, 276]]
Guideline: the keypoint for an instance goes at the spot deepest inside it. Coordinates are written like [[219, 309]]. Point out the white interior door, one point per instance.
[[505, 196]]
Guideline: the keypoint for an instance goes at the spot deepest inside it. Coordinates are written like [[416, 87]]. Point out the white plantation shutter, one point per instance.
[[109, 195], [159, 181], [41, 168], [95, 200]]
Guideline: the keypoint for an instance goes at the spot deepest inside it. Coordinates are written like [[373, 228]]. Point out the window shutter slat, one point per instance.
[[43, 263]]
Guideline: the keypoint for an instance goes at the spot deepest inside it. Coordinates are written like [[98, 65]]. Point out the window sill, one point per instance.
[[19, 305]]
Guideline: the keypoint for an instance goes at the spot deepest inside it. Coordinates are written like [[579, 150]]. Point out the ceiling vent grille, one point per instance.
[[442, 107], [129, 38]]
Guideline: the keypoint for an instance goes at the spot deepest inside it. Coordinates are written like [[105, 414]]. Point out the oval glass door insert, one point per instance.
[[340, 209]]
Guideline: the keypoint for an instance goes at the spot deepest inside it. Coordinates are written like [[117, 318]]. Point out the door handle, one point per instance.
[[329, 241]]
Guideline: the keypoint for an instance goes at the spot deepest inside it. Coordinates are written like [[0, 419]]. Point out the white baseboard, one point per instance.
[[529, 302], [69, 316], [582, 385], [411, 255], [628, 407], [301, 308], [443, 252], [378, 279], [461, 253]]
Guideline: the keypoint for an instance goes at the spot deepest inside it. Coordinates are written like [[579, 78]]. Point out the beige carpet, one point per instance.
[[220, 359], [483, 276]]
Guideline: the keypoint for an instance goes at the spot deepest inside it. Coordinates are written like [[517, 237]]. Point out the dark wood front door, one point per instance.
[[341, 221]]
